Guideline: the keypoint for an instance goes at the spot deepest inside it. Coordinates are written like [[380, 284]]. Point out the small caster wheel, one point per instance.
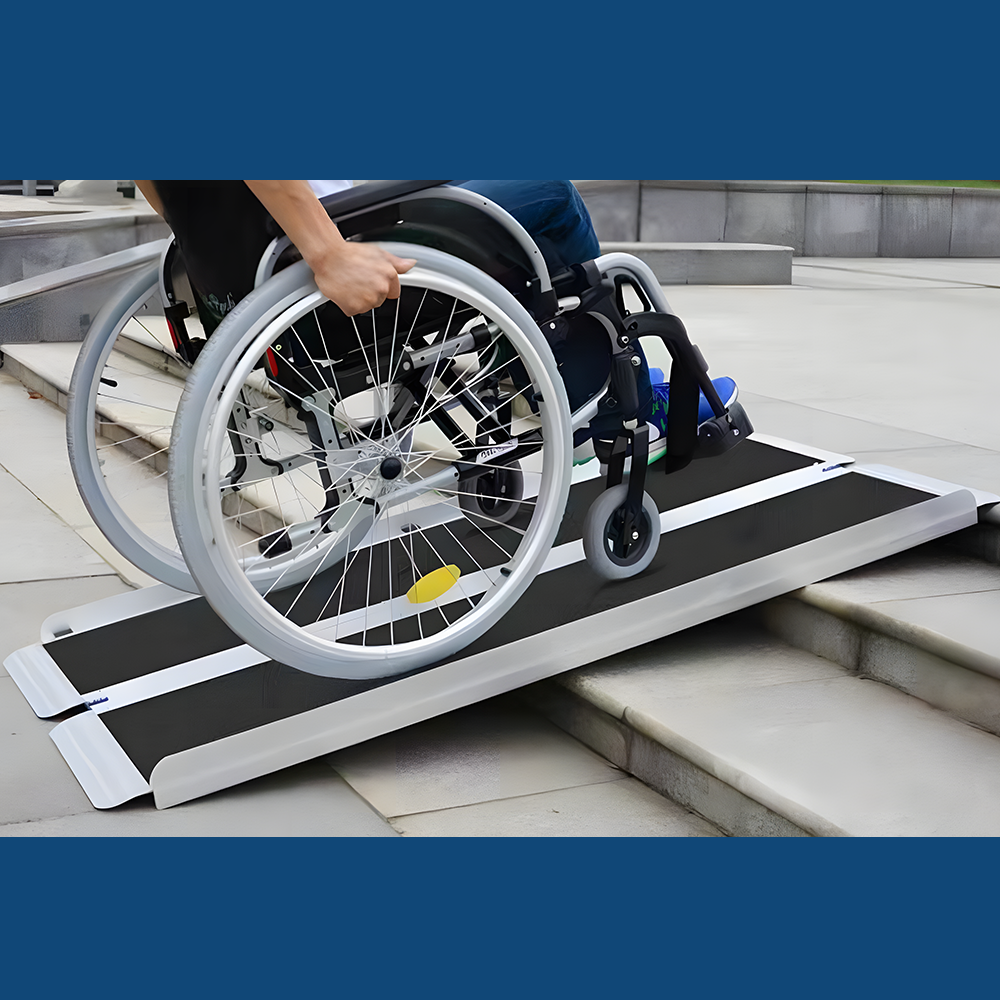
[[611, 556], [494, 494]]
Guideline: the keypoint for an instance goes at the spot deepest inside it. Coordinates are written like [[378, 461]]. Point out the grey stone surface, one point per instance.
[[816, 218], [675, 775], [624, 808], [915, 224], [308, 800], [970, 618], [24, 606], [60, 314], [670, 215], [766, 217], [975, 225], [839, 224], [876, 353], [38, 545], [981, 541], [35, 782], [963, 693], [829, 752], [929, 571], [712, 263], [613, 208], [826, 429], [495, 750], [923, 621], [806, 627], [50, 241], [669, 773]]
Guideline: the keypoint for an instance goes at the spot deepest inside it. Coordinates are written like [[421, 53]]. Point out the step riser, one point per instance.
[[666, 772], [155, 359], [981, 541], [957, 690], [33, 382], [150, 452]]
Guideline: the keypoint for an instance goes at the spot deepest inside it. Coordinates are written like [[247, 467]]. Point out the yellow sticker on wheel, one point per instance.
[[431, 587]]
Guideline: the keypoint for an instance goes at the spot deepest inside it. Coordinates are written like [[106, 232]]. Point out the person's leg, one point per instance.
[[221, 230], [552, 212]]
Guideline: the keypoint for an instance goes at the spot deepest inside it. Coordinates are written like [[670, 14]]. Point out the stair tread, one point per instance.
[[831, 752], [945, 603]]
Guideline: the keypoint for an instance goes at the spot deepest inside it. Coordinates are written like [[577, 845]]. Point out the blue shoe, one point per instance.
[[725, 387]]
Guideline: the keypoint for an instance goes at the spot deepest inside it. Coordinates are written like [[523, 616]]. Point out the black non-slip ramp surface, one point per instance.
[[755, 523], [264, 693], [96, 659]]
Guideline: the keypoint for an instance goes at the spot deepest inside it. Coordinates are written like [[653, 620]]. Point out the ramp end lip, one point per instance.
[[102, 767], [43, 684]]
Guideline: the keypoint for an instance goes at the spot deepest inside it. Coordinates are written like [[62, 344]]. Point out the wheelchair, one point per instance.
[[359, 497]]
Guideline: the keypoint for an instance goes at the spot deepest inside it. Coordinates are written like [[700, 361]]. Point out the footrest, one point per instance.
[[717, 435]]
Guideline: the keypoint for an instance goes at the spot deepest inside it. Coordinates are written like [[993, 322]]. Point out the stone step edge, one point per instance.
[[876, 620], [57, 392], [736, 803], [16, 362], [711, 263], [54, 392], [946, 674]]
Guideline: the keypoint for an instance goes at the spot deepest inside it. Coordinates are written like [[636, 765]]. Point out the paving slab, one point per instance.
[[495, 750], [24, 606], [308, 800], [874, 443], [928, 571], [836, 431], [904, 353], [966, 621], [954, 463], [38, 545], [901, 272], [35, 782], [625, 808]]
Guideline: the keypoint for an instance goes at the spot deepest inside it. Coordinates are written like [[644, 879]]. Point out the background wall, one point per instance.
[[816, 219]]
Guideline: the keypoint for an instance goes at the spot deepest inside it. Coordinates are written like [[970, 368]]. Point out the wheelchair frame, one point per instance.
[[595, 288]]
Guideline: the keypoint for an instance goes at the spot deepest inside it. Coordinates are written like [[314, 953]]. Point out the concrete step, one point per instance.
[[147, 370], [923, 621], [711, 263], [763, 739]]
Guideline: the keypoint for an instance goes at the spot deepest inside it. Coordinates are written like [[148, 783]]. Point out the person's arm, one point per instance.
[[149, 193], [356, 276]]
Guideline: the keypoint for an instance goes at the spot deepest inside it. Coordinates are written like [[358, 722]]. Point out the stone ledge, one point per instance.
[[941, 670], [817, 218], [656, 765], [711, 263], [762, 738]]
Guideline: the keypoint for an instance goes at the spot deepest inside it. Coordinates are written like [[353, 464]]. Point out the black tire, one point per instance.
[[600, 530], [495, 494]]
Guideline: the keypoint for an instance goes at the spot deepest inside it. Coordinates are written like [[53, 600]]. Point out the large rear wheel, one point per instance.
[[351, 449]]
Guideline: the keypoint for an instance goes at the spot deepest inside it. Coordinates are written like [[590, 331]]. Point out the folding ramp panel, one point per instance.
[[169, 700]]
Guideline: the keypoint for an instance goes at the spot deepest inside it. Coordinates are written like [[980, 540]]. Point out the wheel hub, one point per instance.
[[390, 468]]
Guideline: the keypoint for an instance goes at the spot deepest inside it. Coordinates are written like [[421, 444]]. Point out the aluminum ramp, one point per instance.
[[166, 699]]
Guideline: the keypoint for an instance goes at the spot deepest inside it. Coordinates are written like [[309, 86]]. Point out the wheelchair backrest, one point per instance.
[[435, 214]]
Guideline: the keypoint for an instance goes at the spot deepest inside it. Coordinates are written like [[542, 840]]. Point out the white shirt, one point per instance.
[[322, 188]]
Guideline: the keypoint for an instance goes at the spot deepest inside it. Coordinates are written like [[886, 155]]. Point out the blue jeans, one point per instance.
[[552, 212]]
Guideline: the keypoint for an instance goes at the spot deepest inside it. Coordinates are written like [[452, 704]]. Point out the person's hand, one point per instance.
[[358, 276]]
